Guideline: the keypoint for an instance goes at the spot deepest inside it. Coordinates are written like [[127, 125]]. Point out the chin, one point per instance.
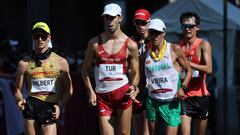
[[188, 35], [111, 30]]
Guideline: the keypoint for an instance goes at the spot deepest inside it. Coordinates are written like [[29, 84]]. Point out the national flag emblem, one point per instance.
[[191, 52], [148, 62]]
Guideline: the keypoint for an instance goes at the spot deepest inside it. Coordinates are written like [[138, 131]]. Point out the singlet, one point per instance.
[[197, 85], [142, 47], [163, 81], [110, 69], [43, 82]]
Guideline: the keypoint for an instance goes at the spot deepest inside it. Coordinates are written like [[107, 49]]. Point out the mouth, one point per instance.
[[109, 26], [140, 30], [39, 43], [188, 33]]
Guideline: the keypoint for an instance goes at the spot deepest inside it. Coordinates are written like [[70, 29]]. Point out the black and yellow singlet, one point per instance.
[[43, 82]]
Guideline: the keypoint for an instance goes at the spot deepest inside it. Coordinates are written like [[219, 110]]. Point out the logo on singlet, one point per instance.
[[155, 68]]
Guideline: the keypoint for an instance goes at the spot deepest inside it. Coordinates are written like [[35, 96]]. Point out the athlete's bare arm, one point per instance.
[[87, 63], [66, 80], [68, 90], [134, 65], [182, 61], [134, 61], [207, 58], [21, 69]]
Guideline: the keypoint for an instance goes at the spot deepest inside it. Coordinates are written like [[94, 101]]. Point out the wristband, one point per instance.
[[184, 87]]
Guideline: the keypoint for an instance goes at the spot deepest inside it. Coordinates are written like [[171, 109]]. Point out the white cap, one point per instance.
[[157, 24], [112, 10]]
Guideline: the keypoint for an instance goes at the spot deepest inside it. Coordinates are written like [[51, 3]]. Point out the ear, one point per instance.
[[120, 19], [164, 33], [49, 37], [197, 28]]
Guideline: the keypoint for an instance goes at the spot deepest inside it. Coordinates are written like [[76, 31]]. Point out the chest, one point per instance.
[[193, 53], [48, 69]]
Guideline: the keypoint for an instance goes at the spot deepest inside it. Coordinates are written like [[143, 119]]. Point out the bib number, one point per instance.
[[161, 84], [110, 71], [43, 85], [195, 74]]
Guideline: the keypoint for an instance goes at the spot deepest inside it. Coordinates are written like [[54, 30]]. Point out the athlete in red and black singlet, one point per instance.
[[196, 103], [197, 85]]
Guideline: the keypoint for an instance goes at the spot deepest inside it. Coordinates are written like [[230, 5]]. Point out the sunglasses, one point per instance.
[[42, 36], [154, 32], [188, 26], [140, 22]]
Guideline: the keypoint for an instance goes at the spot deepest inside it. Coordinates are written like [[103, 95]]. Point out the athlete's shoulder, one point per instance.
[[95, 39], [24, 61], [175, 47], [205, 44], [59, 58], [23, 64], [132, 44], [62, 59]]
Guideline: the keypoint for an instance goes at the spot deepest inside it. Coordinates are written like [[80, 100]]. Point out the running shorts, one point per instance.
[[109, 102], [167, 112], [38, 110], [197, 107]]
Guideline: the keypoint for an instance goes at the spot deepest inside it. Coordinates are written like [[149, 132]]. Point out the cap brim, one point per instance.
[[110, 13], [141, 18], [151, 28], [37, 29]]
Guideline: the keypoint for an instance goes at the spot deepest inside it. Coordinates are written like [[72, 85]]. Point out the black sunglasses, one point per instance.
[[42, 36], [188, 26], [140, 22], [154, 32]]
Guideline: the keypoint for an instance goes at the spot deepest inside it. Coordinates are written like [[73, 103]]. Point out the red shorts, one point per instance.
[[109, 102]]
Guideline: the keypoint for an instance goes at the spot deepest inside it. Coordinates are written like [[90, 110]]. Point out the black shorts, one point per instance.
[[196, 107], [39, 110]]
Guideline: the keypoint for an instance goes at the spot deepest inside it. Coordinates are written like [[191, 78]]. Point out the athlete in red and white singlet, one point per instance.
[[110, 69], [111, 80], [113, 53]]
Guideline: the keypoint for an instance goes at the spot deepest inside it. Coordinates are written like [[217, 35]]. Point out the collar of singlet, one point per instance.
[[41, 56]]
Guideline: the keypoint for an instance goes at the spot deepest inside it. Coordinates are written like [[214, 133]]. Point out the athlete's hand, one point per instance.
[[21, 104], [56, 113], [191, 64], [180, 94], [132, 92], [92, 99]]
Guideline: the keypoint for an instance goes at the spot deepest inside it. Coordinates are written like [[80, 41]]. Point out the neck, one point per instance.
[[42, 55], [40, 51], [114, 35], [144, 36], [159, 46], [190, 41]]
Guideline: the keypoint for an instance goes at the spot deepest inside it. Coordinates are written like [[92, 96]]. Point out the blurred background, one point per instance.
[[74, 22]]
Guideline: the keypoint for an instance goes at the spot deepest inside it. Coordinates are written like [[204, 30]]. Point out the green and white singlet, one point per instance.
[[162, 78]]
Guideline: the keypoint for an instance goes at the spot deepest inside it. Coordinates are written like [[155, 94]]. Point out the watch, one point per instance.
[[184, 87]]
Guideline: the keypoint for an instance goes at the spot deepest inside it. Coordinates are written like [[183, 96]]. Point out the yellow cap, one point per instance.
[[41, 25]]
